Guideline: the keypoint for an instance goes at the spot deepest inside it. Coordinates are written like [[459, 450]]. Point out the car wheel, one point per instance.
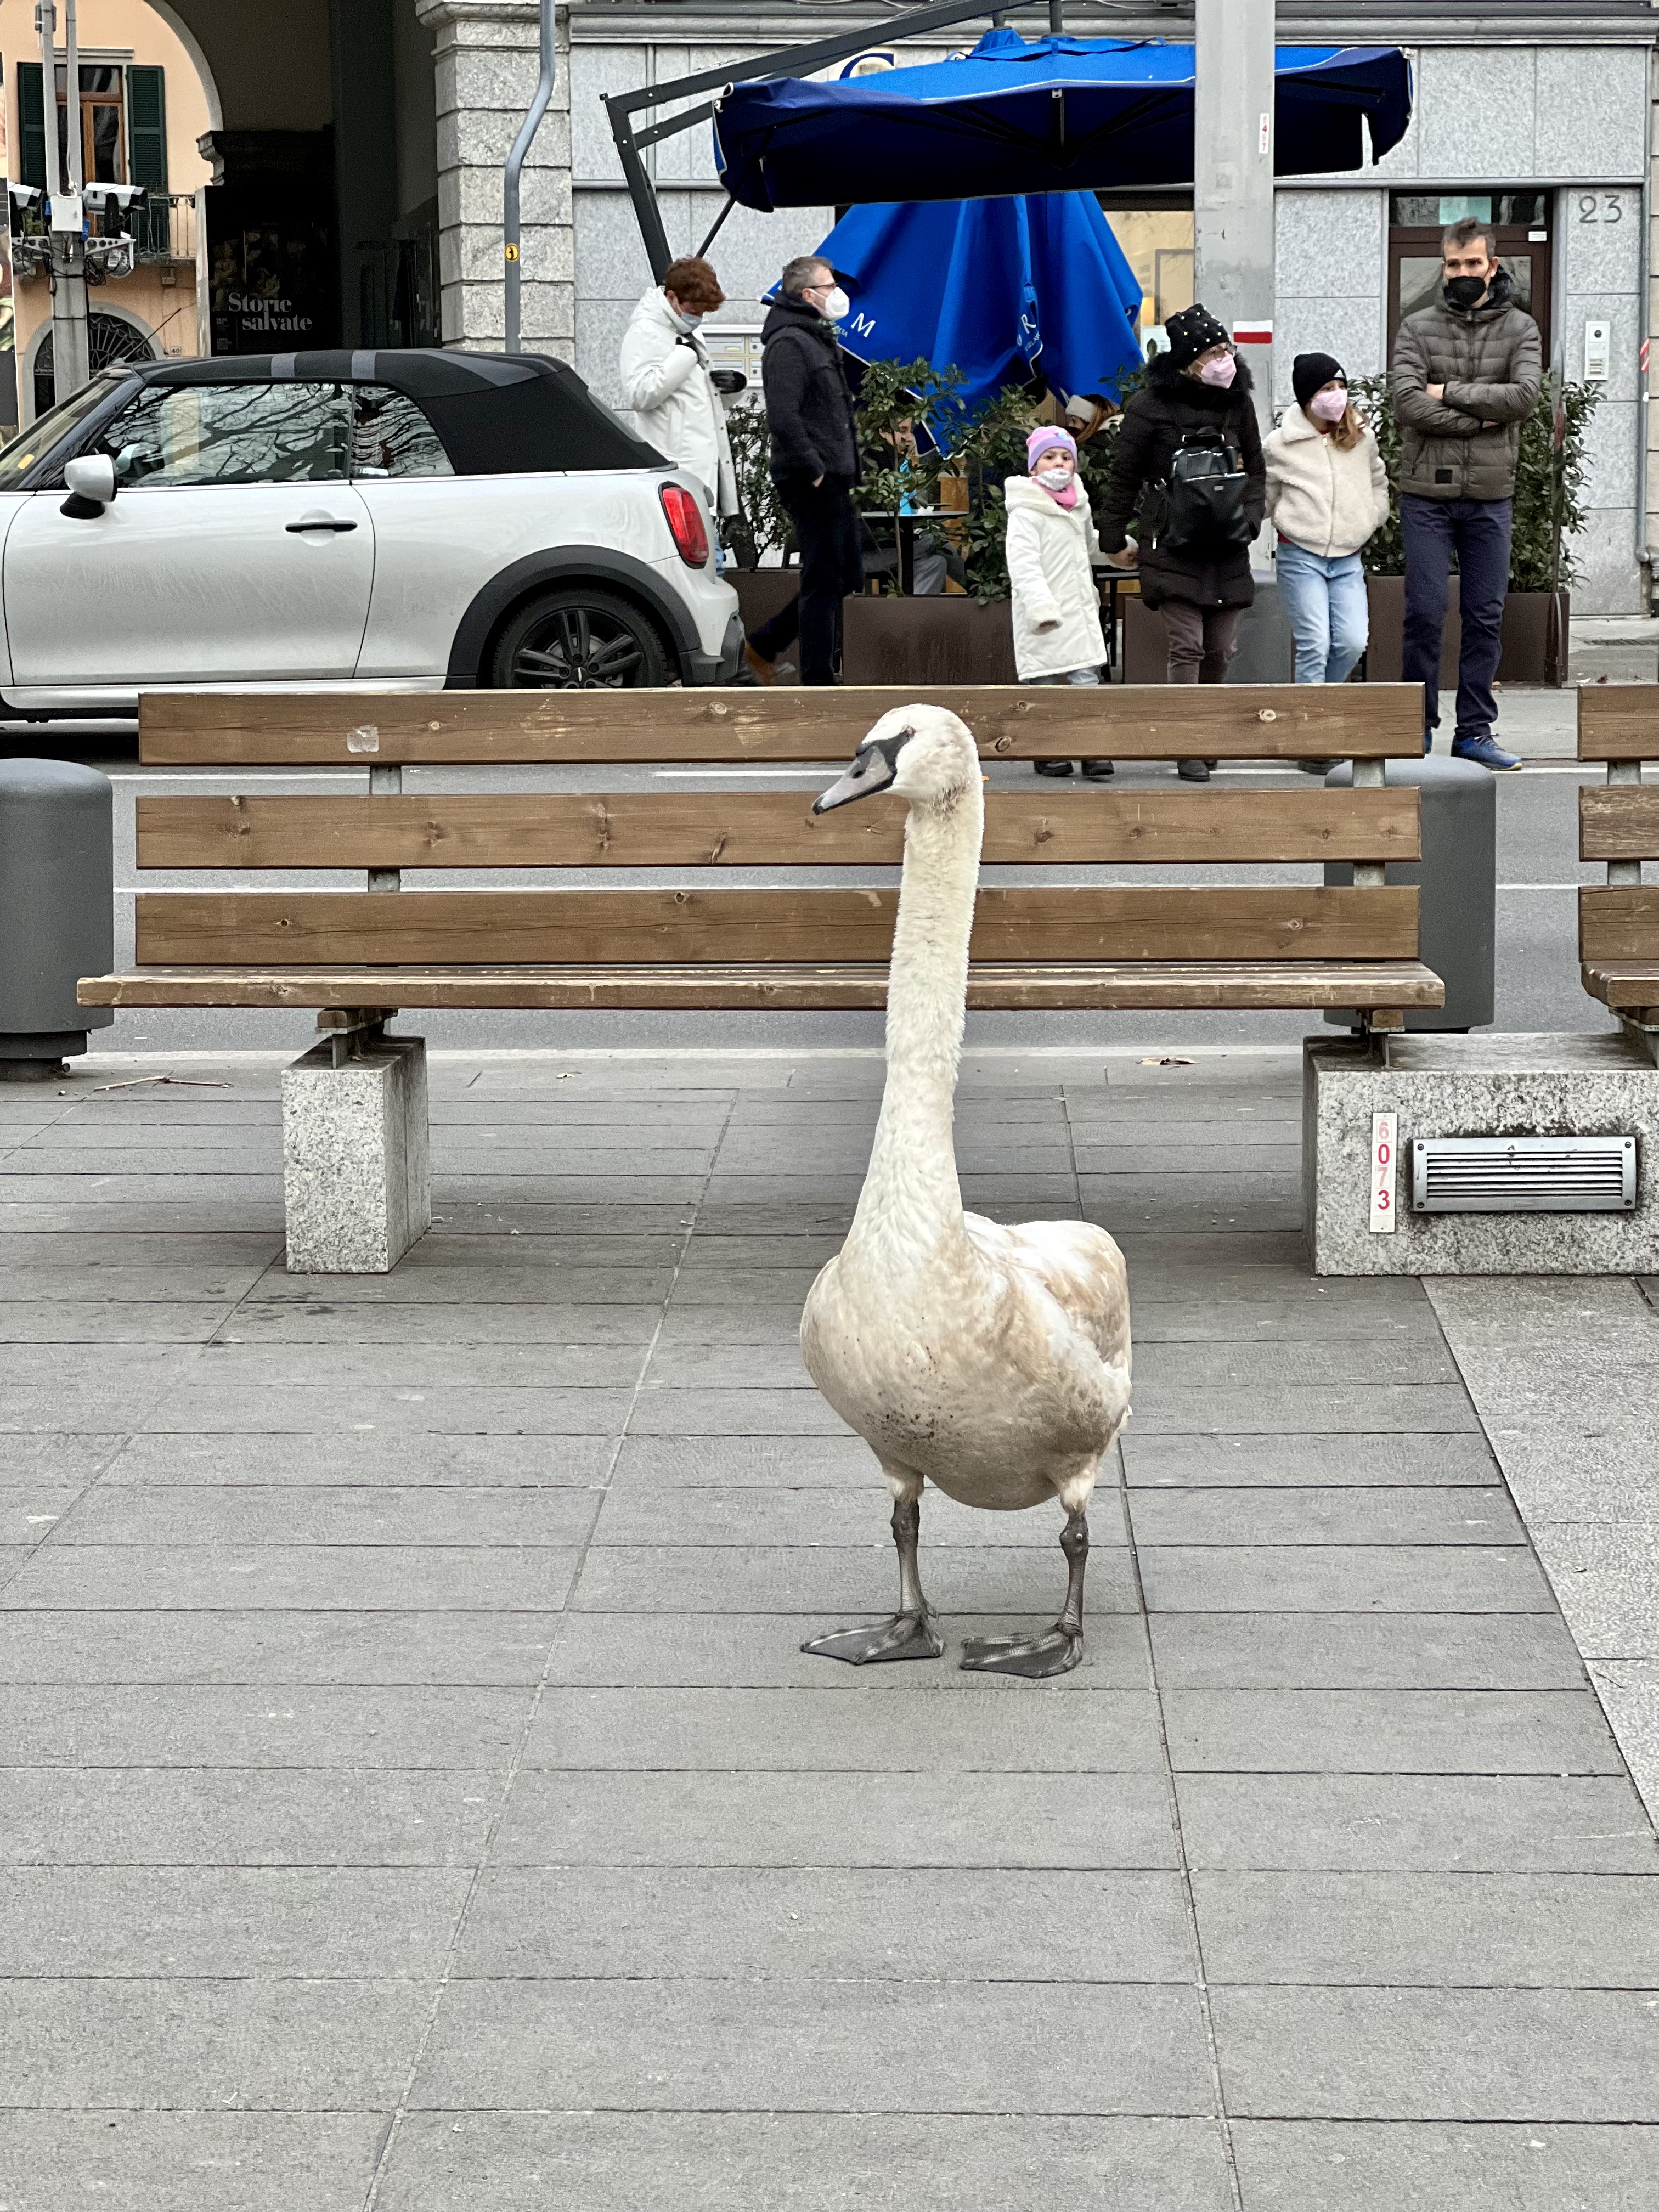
[[579, 638]]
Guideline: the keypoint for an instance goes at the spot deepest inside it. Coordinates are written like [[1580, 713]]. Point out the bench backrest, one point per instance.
[[1618, 823], [700, 833]]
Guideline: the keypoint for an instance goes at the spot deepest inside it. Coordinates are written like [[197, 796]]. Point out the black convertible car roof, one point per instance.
[[497, 414]]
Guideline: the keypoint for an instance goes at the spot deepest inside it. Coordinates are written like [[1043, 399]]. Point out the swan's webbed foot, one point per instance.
[[906, 1636], [913, 1631], [1054, 1652]]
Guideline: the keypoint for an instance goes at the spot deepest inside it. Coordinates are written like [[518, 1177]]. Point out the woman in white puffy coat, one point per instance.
[[666, 379], [1327, 491], [1055, 601]]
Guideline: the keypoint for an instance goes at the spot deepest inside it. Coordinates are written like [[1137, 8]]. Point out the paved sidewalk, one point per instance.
[[418, 1800]]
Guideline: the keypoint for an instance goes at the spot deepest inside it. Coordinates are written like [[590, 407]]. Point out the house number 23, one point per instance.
[[1600, 207]]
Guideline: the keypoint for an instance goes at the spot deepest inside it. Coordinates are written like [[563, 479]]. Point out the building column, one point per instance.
[[486, 68]]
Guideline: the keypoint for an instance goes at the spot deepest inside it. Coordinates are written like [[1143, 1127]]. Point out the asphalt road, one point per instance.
[[1538, 986]]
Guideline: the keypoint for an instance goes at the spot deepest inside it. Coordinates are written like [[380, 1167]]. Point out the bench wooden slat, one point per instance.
[[651, 829], [1619, 722], [1618, 922], [1367, 985], [1631, 984], [1037, 922], [1229, 721], [1619, 822]]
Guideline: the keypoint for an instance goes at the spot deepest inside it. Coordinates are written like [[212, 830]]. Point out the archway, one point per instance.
[[112, 335]]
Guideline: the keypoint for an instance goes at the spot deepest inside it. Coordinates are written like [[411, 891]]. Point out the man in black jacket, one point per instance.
[[815, 464]]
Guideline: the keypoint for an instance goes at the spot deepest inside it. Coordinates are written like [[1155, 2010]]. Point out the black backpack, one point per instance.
[[1199, 507]]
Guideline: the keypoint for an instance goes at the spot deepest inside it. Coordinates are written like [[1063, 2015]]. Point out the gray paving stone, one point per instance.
[[75, 1645], [1563, 2055], [818, 1729], [273, 1724], [59, 1461], [1258, 1462], [862, 2046], [764, 1462], [189, 2161], [1479, 1822], [780, 1924], [29, 1510], [1195, 1320], [1280, 1409], [1607, 1580], [376, 1368], [205, 1816], [1330, 2165], [836, 1820], [451, 1281], [763, 1651], [1025, 1580], [1362, 1515], [1388, 1731], [288, 1409], [344, 1577], [200, 1514], [682, 1412], [321, 2046], [104, 1321], [1629, 1691], [1423, 1650], [1343, 1579], [772, 1325], [764, 1290], [823, 2162], [268, 1923], [708, 1366], [398, 1457], [321, 1319], [1430, 1930], [1338, 1363]]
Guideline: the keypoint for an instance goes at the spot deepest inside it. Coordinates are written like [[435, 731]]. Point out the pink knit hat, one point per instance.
[[1044, 439]]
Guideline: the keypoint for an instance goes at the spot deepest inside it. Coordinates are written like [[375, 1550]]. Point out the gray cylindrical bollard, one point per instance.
[[1457, 878], [56, 910]]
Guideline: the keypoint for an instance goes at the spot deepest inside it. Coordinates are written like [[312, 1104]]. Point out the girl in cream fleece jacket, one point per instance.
[[1327, 493]]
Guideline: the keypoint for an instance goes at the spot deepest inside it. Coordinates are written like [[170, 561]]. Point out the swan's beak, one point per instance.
[[872, 770]]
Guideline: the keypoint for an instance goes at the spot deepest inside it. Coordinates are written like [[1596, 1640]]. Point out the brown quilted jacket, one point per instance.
[[1464, 445]]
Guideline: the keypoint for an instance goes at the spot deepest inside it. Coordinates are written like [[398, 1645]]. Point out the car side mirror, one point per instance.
[[91, 482]]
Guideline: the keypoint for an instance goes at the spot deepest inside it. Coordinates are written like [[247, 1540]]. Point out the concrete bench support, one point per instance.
[[354, 1157], [1474, 1086]]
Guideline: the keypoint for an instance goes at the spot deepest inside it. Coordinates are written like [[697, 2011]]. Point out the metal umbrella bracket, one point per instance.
[[512, 239]]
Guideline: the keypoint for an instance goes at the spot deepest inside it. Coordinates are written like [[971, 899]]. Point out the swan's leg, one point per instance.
[[913, 1631], [1059, 1648]]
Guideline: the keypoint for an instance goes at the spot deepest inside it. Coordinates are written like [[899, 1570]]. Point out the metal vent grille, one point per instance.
[[1523, 1175]]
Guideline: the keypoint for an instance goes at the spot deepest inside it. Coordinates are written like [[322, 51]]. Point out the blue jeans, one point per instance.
[[1478, 530], [1323, 594]]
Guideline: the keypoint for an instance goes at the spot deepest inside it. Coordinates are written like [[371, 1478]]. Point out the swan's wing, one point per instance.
[[1080, 1268]]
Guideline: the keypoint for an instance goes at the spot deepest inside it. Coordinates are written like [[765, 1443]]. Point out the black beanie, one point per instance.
[[1193, 332], [1311, 373]]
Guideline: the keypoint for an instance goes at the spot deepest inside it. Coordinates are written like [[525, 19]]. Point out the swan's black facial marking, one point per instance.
[[874, 766]]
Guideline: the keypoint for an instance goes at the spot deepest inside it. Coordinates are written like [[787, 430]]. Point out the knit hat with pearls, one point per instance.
[[1194, 331]]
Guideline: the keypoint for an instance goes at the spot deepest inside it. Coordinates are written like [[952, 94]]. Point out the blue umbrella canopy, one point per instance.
[[1021, 116], [996, 288]]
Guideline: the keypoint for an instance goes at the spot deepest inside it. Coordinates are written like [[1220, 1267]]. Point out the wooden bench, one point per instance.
[[693, 942], [1618, 823]]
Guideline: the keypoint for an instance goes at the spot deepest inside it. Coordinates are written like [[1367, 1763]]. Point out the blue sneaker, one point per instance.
[[1485, 752]]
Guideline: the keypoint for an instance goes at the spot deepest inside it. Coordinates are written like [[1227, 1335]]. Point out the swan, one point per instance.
[[993, 1362]]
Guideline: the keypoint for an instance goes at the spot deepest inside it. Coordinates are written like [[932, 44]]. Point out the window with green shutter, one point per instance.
[[147, 128], [31, 126]]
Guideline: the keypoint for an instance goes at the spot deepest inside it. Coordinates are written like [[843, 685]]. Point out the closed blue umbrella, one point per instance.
[[996, 288], [1041, 115]]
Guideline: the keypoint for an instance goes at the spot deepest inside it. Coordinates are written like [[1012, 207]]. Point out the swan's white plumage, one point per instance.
[[992, 1361]]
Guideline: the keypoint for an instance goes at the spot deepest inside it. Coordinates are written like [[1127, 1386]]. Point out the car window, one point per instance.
[[391, 437], [232, 434], [22, 452]]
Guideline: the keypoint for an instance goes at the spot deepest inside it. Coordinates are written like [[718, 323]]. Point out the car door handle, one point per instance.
[[317, 522]]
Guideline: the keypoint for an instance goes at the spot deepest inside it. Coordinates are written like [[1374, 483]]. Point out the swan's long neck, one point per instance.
[[911, 1192]]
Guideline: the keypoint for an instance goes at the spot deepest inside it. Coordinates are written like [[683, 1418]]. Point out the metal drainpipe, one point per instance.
[[515, 161]]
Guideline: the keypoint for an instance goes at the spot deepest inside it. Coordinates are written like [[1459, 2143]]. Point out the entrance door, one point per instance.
[[1520, 230], [235, 551]]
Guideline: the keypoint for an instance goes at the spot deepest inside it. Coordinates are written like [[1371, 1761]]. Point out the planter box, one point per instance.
[[929, 640], [1526, 656]]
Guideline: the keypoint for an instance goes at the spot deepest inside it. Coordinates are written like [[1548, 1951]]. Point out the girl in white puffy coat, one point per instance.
[[1055, 602]]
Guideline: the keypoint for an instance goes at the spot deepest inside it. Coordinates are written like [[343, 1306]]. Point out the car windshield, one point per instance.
[[43, 433]]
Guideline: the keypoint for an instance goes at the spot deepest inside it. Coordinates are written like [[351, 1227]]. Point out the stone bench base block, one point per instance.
[[355, 1155], [1474, 1086]]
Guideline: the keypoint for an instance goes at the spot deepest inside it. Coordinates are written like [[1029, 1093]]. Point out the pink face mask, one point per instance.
[[1328, 406], [1220, 372]]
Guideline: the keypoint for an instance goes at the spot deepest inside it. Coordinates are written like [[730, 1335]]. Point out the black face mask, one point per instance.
[[1464, 291]]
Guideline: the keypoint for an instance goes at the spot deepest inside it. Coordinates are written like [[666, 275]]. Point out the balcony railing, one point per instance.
[[162, 226]]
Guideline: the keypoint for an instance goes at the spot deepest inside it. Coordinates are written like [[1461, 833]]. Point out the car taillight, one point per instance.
[[685, 521]]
